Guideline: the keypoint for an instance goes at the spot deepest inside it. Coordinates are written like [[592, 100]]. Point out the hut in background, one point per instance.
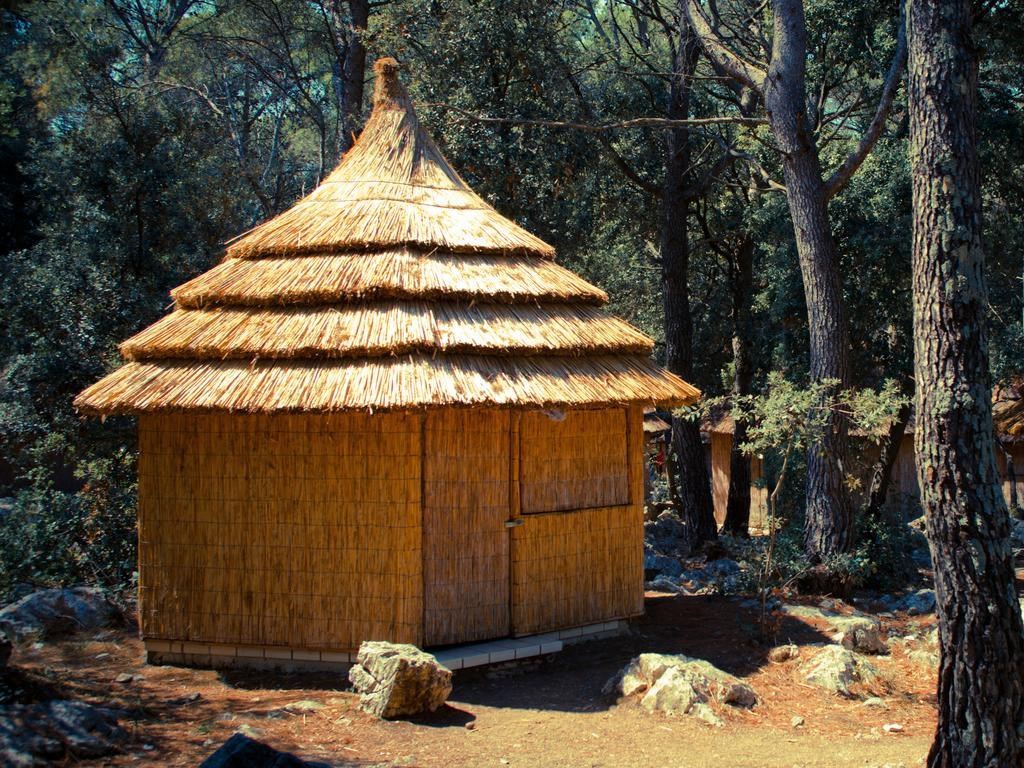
[[387, 414], [717, 430], [904, 491]]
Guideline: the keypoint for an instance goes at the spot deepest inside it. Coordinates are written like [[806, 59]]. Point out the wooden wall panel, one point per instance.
[[721, 471], [579, 567], [577, 462], [298, 530], [466, 492]]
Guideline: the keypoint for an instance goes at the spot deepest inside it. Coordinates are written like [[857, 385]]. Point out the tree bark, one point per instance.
[[829, 519], [981, 637], [350, 71], [694, 487], [737, 515]]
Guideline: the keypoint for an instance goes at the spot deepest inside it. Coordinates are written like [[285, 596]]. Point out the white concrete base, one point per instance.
[[221, 656]]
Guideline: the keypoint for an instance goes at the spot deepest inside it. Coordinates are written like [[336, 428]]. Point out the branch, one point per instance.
[[721, 56], [606, 142], [639, 122], [842, 175]]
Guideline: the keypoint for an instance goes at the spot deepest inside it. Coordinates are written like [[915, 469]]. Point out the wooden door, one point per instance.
[[465, 540], [577, 554]]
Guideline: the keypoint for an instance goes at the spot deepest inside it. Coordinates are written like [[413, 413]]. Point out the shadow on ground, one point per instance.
[[708, 627]]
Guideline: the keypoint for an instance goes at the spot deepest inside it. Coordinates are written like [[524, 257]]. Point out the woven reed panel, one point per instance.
[[280, 530], [465, 541], [586, 565], [575, 463], [721, 471], [574, 568]]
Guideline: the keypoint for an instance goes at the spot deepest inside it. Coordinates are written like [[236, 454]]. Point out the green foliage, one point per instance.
[[134, 142], [86, 536]]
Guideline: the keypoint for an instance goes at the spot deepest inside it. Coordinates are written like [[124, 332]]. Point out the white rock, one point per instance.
[[397, 680], [836, 668]]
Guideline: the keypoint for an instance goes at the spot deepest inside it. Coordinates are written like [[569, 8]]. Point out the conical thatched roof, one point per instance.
[[391, 286]]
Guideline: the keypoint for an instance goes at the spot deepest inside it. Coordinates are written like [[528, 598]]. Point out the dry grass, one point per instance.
[[393, 328], [400, 273], [394, 383]]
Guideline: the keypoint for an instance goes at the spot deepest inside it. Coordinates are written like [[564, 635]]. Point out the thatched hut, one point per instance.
[[387, 414]]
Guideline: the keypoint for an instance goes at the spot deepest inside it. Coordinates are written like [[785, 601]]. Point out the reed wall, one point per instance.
[[580, 566], [281, 530], [575, 462], [466, 480]]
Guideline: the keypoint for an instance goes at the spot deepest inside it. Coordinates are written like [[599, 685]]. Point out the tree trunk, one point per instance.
[[737, 515], [881, 473], [351, 70], [694, 484], [981, 637], [829, 519]]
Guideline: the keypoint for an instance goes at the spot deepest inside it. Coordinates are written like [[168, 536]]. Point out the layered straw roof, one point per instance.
[[391, 286]]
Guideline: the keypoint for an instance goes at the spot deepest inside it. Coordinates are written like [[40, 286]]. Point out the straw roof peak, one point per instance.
[[388, 91], [393, 188]]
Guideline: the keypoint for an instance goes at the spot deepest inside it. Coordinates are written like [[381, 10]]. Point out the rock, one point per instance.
[[124, 677], [722, 575], [797, 721], [925, 658], [783, 653], [657, 565], [662, 584], [399, 680], [807, 612], [667, 534], [917, 603], [57, 730], [836, 668], [672, 694], [5, 649], [240, 751], [54, 612], [859, 633], [680, 685], [892, 728], [874, 701]]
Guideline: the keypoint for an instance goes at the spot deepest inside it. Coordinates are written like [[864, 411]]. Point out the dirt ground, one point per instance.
[[550, 713]]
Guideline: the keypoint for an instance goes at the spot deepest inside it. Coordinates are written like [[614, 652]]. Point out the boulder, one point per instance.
[[662, 584], [658, 565], [667, 534], [57, 731], [859, 633], [240, 751], [722, 575], [55, 612], [835, 668], [396, 680], [917, 603], [680, 685], [783, 653]]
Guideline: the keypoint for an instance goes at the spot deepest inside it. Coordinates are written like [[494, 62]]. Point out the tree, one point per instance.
[[981, 636], [781, 84]]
